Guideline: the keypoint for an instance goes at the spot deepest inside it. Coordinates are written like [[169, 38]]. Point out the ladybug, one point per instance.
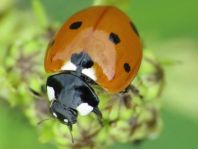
[[96, 46]]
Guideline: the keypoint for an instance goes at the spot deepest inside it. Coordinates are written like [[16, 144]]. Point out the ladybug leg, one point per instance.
[[34, 92], [98, 114], [134, 90], [42, 91]]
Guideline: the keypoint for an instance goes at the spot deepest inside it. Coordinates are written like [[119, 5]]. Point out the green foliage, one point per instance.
[[120, 4], [5, 4], [127, 117], [40, 13]]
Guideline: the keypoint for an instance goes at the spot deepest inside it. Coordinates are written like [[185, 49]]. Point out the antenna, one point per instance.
[[43, 120], [69, 127]]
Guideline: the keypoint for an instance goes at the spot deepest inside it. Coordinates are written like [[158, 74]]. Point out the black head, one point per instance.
[[70, 94], [64, 114]]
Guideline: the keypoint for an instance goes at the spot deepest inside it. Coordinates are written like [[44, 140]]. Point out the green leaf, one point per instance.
[[40, 13]]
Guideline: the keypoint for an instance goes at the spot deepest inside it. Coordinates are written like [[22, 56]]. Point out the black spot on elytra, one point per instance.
[[114, 38], [134, 29], [127, 67], [75, 25]]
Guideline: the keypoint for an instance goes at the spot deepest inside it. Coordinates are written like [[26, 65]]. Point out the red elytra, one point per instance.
[[108, 36]]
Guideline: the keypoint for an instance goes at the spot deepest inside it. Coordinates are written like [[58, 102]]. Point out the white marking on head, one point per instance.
[[84, 109], [65, 120], [50, 93], [69, 66], [90, 72], [54, 114]]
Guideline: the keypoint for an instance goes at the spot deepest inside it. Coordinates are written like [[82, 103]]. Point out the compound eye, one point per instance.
[[58, 116], [50, 93]]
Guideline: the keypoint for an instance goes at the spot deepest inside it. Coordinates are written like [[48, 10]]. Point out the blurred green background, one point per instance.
[[169, 28]]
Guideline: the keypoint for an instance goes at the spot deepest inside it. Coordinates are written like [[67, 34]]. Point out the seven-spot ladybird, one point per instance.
[[98, 45]]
